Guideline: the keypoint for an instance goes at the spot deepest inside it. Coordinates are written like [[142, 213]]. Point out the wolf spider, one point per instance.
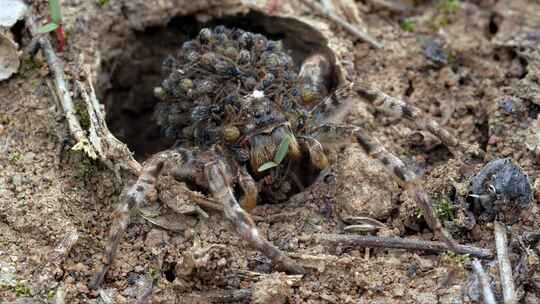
[[234, 141]]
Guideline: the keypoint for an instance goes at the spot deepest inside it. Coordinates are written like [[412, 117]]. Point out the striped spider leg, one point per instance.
[[142, 193], [406, 177], [210, 171]]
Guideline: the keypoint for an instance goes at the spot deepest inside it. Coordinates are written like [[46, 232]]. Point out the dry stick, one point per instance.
[[143, 192], [505, 268], [401, 243], [224, 296], [61, 85], [487, 293], [346, 25], [112, 152]]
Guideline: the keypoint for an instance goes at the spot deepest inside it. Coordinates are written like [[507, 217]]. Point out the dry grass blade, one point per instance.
[[487, 293], [505, 267], [344, 24]]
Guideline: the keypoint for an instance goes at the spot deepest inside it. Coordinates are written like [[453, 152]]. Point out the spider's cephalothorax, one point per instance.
[[240, 91]]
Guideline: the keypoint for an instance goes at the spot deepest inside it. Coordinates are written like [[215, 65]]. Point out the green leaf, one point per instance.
[[47, 28], [282, 149], [56, 15], [267, 166]]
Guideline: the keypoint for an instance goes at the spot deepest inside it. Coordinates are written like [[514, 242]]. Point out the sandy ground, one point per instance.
[[472, 66]]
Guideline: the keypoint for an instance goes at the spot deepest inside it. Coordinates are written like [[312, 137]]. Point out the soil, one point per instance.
[[471, 66]]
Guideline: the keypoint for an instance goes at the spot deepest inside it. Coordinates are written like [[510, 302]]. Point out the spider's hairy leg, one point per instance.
[[314, 78], [191, 170], [220, 186], [141, 193], [400, 109], [249, 186], [315, 150], [408, 179]]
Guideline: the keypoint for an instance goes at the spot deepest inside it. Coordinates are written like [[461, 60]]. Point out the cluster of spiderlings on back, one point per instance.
[[212, 73]]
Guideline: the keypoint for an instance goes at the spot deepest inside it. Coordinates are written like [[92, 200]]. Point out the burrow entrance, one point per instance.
[[133, 74]]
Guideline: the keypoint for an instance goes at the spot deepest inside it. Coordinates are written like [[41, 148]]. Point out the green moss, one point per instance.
[[21, 290], [103, 2], [14, 157], [443, 17], [455, 259], [448, 6], [445, 210], [408, 25], [84, 118]]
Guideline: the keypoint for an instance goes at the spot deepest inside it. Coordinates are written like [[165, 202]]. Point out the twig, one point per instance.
[[346, 25], [487, 293], [401, 243], [224, 296], [393, 6], [505, 268], [61, 85], [113, 153]]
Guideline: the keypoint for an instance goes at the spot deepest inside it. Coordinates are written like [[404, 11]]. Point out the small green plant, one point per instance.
[[445, 210], [103, 2], [56, 17], [21, 290], [408, 25], [14, 157], [456, 259], [448, 6], [280, 154], [55, 24]]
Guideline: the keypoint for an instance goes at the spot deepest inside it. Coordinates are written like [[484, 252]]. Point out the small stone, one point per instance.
[[155, 238], [504, 182], [434, 51]]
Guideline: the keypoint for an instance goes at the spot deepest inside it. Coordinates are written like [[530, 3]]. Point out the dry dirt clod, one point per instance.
[[9, 57], [272, 289]]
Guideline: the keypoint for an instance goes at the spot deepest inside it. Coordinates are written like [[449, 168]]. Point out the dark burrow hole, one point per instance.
[[169, 271], [133, 74]]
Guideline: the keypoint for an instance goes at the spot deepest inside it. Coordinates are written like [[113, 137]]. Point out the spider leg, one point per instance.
[[133, 197], [249, 186], [219, 184], [406, 177], [315, 150], [398, 108], [409, 180]]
